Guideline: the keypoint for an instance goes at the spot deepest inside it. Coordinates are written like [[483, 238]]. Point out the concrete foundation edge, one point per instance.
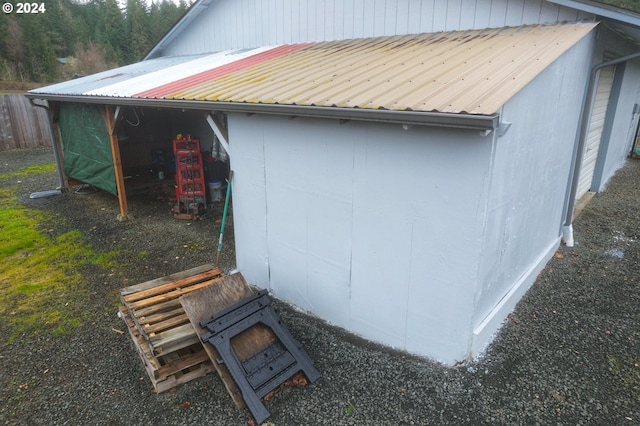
[[483, 334]]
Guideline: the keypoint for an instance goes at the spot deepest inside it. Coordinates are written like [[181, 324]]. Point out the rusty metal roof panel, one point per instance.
[[454, 72], [470, 72]]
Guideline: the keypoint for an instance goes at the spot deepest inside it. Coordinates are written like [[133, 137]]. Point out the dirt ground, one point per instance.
[[569, 354]]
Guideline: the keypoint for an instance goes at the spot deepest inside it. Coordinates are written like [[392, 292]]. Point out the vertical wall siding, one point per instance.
[[21, 124], [240, 24], [621, 135], [531, 169], [367, 225]]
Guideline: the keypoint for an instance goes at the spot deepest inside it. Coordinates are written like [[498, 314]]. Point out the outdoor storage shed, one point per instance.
[[420, 237], [406, 187]]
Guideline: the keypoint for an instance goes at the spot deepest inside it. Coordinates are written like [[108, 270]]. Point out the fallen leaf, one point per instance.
[[297, 380], [558, 255], [185, 404]]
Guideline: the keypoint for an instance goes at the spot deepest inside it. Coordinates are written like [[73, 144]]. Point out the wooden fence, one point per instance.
[[22, 125]]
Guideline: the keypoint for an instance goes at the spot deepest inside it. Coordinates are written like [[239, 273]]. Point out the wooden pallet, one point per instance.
[[167, 343], [163, 316], [172, 369]]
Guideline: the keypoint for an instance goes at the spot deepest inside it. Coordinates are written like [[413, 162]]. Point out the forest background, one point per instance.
[[79, 37], [70, 38]]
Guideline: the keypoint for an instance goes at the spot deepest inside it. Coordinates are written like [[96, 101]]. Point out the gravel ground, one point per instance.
[[569, 354]]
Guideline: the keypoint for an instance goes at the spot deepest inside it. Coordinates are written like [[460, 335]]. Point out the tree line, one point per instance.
[[80, 37]]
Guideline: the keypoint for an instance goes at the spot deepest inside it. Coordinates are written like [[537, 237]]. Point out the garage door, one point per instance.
[[596, 125]]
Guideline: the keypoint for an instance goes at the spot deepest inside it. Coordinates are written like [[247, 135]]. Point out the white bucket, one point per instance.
[[215, 191]]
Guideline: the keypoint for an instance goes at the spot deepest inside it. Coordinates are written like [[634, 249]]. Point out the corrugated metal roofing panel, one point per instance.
[[84, 85], [152, 80], [215, 70], [471, 71]]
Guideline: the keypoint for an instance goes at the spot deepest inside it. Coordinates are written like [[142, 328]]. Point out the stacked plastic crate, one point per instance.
[[191, 195]]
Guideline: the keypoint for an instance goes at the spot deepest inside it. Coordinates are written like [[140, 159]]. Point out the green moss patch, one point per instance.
[[41, 287]]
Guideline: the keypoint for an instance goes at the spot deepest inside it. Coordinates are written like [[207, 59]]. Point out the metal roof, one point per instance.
[[460, 72]]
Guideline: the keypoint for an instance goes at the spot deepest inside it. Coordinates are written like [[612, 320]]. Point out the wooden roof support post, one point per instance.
[[117, 163], [54, 119]]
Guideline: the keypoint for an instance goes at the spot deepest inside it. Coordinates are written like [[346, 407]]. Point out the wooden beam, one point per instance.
[[117, 164], [54, 119]]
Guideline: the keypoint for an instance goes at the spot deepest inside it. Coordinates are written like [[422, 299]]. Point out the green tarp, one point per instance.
[[86, 145]]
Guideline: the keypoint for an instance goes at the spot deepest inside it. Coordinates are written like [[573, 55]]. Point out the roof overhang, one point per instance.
[[601, 9], [624, 22], [410, 118], [457, 79]]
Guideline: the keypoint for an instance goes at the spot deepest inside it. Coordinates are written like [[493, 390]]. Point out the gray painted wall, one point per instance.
[[531, 167], [422, 239], [369, 226], [236, 24]]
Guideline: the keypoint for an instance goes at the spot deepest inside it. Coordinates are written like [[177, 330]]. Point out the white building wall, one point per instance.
[[369, 226], [623, 128], [531, 167], [237, 24]]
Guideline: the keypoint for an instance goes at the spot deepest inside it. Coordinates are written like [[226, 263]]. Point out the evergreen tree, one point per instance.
[[12, 52], [92, 34], [162, 16], [137, 30], [110, 32], [39, 58]]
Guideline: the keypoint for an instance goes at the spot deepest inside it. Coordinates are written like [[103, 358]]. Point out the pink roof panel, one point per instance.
[[204, 76]]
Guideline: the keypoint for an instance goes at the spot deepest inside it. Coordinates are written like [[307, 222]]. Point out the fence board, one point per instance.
[[22, 125]]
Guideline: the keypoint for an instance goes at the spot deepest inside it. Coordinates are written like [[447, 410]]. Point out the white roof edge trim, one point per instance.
[[602, 9], [182, 23]]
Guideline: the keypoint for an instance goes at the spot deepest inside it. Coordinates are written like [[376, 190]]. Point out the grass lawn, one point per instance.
[[41, 288]]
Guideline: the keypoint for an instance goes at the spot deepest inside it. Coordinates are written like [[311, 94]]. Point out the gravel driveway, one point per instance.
[[569, 354]]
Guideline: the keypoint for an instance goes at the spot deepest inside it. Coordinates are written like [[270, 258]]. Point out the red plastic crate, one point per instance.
[[192, 160], [186, 145], [189, 173], [191, 188]]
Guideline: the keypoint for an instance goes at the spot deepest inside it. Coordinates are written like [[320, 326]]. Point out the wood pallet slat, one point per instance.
[[165, 288], [173, 340], [154, 327], [167, 279], [157, 318], [166, 372], [181, 363], [173, 294], [155, 309]]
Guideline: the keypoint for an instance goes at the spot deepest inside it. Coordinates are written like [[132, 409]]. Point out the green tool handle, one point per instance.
[[224, 217]]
